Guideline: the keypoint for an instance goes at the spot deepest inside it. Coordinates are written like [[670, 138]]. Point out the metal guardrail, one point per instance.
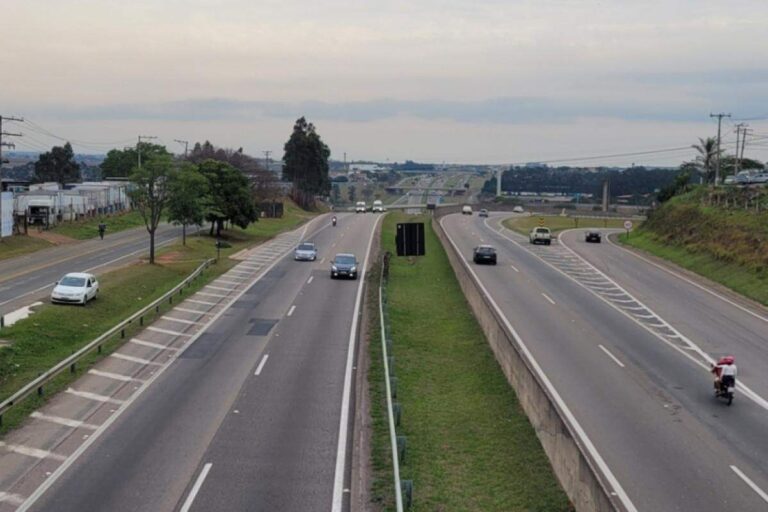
[[36, 386], [402, 487]]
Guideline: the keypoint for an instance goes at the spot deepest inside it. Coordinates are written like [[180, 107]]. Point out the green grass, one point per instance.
[[89, 228], [525, 224], [741, 279], [54, 332], [470, 445], [18, 245]]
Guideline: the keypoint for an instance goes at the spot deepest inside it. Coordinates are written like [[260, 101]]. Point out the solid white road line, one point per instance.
[[63, 421], [93, 396], [196, 488], [113, 376], [341, 450], [177, 308], [32, 452], [261, 364], [750, 483], [13, 499], [310, 279], [514, 268], [218, 288], [547, 297], [180, 320], [205, 303], [290, 311], [150, 344], [138, 360], [615, 359], [220, 296], [166, 331]]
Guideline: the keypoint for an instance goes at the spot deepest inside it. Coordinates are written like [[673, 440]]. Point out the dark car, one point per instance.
[[483, 213], [484, 254], [344, 265], [593, 237]]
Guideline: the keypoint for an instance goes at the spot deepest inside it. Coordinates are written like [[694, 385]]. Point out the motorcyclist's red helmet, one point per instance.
[[726, 360]]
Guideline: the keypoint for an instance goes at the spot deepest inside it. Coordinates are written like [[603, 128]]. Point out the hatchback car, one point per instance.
[[466, 210], [75, 288], [344, 265], [484, 254], [593, 237], [305, 251], [483, 213], [517, 209]]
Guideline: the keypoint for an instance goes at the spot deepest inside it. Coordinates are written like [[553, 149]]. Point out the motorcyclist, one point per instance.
[[333, 220], [725, 373]]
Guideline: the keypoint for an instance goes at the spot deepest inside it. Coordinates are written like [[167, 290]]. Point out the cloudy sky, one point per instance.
[[453, 80]]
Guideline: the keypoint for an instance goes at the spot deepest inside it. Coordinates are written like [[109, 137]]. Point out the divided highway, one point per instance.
[[633, 383], [253, 414]]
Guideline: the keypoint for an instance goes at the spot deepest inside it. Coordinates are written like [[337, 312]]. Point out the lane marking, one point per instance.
[[113, 376], [570, 418], [241, 272], [93, 396], [167, 331], [750, 483], [310, 279], [548, 298], [138, 360], [290, 311], [212, 295], [341, 451], [180, 320], [261, 364], [13, 499], [615, 359], [185, 310], [36, 453], [514, 268], [206, 303], [158, 346], [196, 488], [63, 421], [219, 288]]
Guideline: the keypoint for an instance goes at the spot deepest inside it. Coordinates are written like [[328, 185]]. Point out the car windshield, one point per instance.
[[486, 250], [306, 247], [345, 260], [72, 281], [542, 230]]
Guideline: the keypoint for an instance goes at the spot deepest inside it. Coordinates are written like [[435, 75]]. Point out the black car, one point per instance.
[[593, 237], [484, 254], [344, 265]]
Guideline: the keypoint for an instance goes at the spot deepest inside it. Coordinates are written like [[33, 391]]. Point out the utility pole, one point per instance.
[[138, 145], [499, 172], [744, 134], [7, 144], [346, 169], [719, 117], [267, 152], [186, 146], [737, 160]]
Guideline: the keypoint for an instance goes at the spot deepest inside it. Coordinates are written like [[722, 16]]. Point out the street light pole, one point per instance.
[[138, 145]]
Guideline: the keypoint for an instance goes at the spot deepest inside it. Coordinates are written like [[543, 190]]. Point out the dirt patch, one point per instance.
[[53, 238], [169, 257]]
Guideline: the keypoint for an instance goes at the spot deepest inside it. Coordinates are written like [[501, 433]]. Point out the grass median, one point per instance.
[[18, 245], [470, 445], [524, 225], [54, 332]]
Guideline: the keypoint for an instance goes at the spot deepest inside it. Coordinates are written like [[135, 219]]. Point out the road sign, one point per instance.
[[541, 221], [627, 225]]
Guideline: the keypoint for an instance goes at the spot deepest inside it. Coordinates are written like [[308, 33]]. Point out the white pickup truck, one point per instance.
[[540, 236]]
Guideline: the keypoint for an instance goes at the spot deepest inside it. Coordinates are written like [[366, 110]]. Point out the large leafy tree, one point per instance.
[[120, 162], [305, 162], [230, 196], [58, 165], [188, 198], [151, 192]]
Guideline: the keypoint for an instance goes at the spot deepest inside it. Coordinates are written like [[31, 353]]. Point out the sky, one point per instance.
[[461, 81]]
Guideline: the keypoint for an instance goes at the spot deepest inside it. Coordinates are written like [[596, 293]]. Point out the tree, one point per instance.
[[152, 185], [681, 184], [336, 193], [305, 162], [351, 193], [58, 165], [230, 196], [120, 162], [367, 192], [707, 157], [188, 198]]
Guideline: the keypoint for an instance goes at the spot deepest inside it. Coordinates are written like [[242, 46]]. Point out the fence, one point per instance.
[[71, 362], [403, 488]]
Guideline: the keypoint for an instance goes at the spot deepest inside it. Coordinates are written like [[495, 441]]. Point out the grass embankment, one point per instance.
[[728, 245], [470, 445], [54, 332], [18, 245], [556, 224], [89, 228]]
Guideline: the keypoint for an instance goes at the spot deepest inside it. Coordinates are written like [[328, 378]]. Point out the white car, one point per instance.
[[466, 210], [517, 209], [360, 207], [75, 288], [378, 207], [305, 251]]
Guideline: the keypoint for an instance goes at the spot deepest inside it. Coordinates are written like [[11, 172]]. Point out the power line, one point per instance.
[[186, 145]]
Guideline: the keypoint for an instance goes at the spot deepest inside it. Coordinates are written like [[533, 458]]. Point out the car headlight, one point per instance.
[[333, 267], [353, 269]]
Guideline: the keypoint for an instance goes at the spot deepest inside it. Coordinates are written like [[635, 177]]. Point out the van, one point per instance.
[[360, 207], [378, 206], [466, 210]]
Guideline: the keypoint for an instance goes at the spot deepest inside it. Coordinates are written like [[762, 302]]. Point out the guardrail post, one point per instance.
[[397, 411], [122, 333], [406, 487], [391, 364], [393, 386], [141, 320], [98, 349], [2, 321], [72, 368], [389, 345], [401, 444], [170, 299], [157, 310]]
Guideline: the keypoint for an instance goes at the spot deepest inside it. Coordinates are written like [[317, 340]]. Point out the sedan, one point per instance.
[[306, 251], [593, 237], [484, 254], [483, 213], [75, 288], [344, 265]]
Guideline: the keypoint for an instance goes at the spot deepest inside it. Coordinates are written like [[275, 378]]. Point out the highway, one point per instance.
[[636, 385], [26, 278], [249, 411]]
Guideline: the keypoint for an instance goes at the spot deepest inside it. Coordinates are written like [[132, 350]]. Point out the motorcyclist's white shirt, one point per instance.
[[728, 369]]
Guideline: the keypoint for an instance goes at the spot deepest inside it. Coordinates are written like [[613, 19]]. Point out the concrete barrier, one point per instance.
[[578, 470]]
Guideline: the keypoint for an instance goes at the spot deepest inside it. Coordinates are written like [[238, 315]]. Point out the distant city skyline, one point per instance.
[[457, 81]]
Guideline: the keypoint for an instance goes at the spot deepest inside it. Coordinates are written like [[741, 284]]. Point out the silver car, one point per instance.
[[305, 251]]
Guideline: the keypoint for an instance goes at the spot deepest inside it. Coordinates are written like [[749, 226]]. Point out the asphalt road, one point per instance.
[[29, 277], [249, 416], [645, 405]]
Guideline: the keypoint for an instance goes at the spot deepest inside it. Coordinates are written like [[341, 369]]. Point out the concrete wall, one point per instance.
[[573, 465]]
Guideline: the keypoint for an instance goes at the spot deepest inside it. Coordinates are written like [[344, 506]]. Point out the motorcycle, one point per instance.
[[333, 221], [725, 389]]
